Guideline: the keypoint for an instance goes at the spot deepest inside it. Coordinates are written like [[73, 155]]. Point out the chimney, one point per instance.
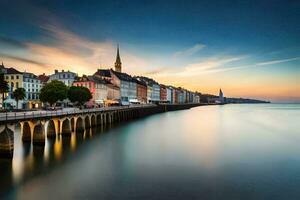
[[62, 70], [56, 71]]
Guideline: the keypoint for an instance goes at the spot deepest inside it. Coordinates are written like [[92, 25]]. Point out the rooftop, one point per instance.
[[43, 78], [103, 72], [124, 76]]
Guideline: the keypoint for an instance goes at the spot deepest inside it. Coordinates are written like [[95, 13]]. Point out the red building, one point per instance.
[[87, 82], [163, 93], [141, 91]]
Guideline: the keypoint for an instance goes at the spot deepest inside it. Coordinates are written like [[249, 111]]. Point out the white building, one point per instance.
[[127, 85], [66, 77], [32, 86], [169, 94]]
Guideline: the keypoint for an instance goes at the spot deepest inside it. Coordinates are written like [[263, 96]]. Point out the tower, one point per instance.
[[221, 96], [118, 63]]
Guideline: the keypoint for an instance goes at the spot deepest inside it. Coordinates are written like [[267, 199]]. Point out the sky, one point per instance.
[[249, 48]]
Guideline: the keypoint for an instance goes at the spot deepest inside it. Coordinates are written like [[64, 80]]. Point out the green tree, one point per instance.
[[19, 94], [3, 86], [79, 95], [53, 92]]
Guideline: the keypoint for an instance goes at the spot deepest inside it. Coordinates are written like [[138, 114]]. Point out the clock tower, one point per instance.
[[118, 63]]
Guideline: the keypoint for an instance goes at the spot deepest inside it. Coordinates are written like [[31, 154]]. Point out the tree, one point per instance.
[[19, 94], [3, 86], [53, 92], [79, 95]]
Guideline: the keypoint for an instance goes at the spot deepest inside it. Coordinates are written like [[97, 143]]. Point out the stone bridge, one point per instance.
[[36, 128]]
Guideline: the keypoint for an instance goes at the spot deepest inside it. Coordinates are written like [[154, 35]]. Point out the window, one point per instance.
[[7, 77], [11, 77], [17, 85], [17, 77]]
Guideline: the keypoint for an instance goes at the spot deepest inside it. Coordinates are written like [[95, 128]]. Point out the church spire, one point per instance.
[[118, 63]]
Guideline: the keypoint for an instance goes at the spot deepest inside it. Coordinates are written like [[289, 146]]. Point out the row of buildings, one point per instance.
[[108, 86]]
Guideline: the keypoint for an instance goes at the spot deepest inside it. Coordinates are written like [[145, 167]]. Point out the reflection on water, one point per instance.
[[31, 160], [209, 152]]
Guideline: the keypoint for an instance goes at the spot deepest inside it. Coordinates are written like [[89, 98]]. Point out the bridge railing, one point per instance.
[[11, 116]]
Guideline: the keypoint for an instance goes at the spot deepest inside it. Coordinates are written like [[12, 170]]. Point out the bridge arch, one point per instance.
[[87, 122], [66, 127], [51, 132], [107, 120], [99, 119], [26, 132], [72, 124], [38, 134], [93, 121], [79, 125]]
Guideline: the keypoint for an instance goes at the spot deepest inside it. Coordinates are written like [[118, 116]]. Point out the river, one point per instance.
[[249, 151]]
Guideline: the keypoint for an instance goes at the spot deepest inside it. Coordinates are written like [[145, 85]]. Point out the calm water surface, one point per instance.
[[208, 152]]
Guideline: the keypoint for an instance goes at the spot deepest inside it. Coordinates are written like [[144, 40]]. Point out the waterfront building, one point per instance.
[[113, 91], [197, 98], [43, 78], [66, 77], [113, 94], [169, 94], [103, 74], [180, 96], [127, 85], [32, 86], [184, 96], [153, 89], [163, 93], [14, 79], [96, 86], [174, 95], [141, 91], [149, 93]]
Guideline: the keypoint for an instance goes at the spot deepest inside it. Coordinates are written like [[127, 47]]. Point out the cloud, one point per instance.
[[216, 64], [63, 49], [210, 65], [24, 60], [189, 52], [278, 61], [11, 42]]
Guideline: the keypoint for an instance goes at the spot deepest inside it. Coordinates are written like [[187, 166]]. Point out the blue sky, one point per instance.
[[249, 48]]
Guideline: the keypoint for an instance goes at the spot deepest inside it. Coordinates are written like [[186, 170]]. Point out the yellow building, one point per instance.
[[14, 79]]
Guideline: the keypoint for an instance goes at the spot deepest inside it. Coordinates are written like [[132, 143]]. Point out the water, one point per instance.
[[208, 152]]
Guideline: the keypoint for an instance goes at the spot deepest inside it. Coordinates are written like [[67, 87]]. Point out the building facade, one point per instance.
[[170, 94], [163, 93], [127, 85], [141, 91], [32, 86], [14, 79], [96, 86], [66, 77], [153, 89]]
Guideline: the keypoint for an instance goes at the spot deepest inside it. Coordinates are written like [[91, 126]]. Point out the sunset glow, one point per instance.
[[83, 39]]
